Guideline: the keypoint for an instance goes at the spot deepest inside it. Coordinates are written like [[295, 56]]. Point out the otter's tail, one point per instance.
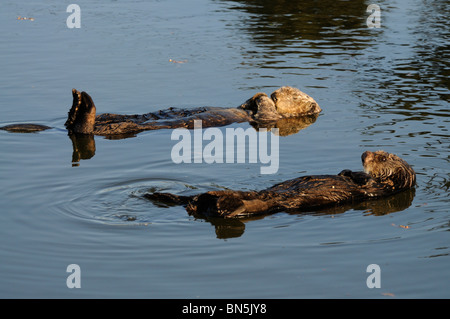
[[169, 198]]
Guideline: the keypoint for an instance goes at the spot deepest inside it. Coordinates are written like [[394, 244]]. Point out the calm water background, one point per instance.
[[383, 88]]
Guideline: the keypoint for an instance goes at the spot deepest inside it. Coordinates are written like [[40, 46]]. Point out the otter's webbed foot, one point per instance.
[[74, 109], [81, 117]]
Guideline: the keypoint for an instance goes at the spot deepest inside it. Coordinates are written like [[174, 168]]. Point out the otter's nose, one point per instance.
[[316, 108], [367, 155]]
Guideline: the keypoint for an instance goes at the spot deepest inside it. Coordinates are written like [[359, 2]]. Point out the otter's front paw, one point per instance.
[[346, 172]]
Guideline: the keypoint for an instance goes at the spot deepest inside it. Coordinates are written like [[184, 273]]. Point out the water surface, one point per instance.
[[383, 88]]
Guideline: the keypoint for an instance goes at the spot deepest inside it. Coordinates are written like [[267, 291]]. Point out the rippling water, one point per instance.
[[382, 88]]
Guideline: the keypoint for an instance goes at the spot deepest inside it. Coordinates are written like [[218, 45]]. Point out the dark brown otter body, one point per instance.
[[286, 102], [385, 174]]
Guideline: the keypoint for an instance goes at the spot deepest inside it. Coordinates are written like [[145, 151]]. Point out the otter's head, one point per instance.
[[81, 118], [284, 102], [290, 101], [388, 169]]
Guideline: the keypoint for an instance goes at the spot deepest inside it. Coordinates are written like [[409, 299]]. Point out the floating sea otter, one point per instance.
[[286, 103], [384, 174]]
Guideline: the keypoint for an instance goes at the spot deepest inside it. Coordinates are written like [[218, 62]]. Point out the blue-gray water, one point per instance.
[[382, 88]]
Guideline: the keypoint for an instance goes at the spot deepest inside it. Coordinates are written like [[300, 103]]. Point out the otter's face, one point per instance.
[[81, 117], [290, 101], [389, 169]]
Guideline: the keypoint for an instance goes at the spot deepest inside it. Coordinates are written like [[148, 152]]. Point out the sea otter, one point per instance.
[[260, 110], [384, 174]]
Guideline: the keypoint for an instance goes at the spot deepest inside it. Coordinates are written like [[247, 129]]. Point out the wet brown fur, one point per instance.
[[82, 119], [385, 174], [258, 109]]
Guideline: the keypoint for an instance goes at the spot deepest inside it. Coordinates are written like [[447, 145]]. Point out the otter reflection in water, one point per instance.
[[384, 174]]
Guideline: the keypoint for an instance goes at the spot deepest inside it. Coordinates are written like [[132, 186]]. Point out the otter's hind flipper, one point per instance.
[[169, 198], [81, 117]]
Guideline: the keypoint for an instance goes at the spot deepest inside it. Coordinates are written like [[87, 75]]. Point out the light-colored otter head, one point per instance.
[[81, 118], [284, 102], [388, 169], [291, 101]]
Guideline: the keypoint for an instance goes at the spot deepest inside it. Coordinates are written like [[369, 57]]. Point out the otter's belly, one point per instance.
[[116, 124]]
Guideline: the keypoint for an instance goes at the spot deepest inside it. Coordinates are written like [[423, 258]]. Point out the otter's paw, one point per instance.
[[346, 172]]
